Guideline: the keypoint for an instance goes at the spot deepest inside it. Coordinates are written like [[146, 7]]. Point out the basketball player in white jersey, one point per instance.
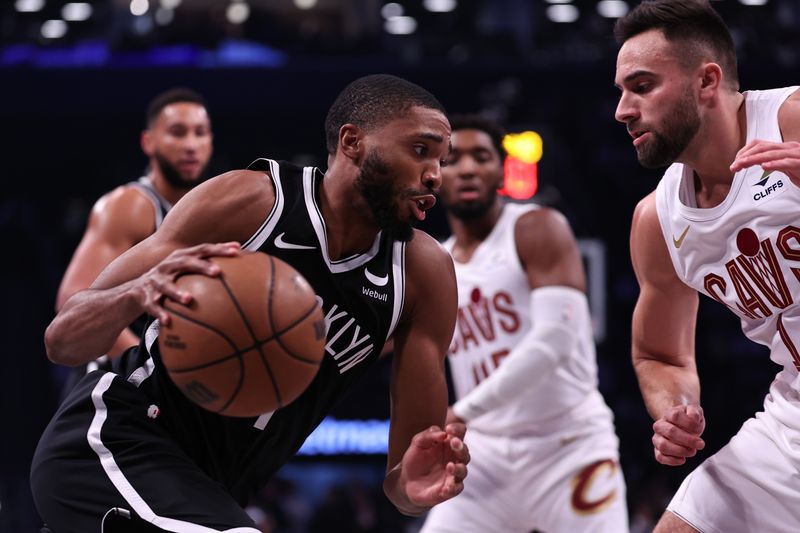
[[544, 452], [177, 140], [724, 221]]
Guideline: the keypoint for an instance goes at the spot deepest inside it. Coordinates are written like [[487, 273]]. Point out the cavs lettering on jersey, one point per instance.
[[362, 297], [493, 316], [745, 252]]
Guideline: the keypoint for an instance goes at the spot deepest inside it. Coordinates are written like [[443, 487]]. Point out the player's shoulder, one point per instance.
[[541, 220], [426, 251], [645, 211], [428, 264], [236, 188], [124, 210], [230, 206], [542, 229], [789, 117]]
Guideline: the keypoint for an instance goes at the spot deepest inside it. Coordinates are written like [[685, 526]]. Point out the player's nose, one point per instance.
[[432, 177], [625, 111]]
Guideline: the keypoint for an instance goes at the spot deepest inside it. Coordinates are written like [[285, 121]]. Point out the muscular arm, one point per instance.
[[552, 263], [227, 208], [663, 320], [118, 221], [663, 333], [418, 387]]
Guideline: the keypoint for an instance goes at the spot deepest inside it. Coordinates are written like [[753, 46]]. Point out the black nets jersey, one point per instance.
[[362, 298]]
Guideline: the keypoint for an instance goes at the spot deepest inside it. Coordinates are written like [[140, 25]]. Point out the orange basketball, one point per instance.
[[251, 340]]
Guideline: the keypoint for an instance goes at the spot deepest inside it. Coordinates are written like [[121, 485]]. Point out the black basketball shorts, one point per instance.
[[105, 448]]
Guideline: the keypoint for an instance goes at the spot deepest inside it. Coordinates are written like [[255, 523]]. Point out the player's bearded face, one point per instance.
[[174, 176], [376, 183], [676, 132]]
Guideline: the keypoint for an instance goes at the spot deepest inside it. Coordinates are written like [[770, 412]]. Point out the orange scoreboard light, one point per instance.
[[521, 167]]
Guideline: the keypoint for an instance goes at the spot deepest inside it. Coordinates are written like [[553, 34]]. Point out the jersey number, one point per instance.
[[481, 371], [787, 340]]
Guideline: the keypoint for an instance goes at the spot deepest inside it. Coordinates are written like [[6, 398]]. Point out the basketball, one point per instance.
[[251, 340]]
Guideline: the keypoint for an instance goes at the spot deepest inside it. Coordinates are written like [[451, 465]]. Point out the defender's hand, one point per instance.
[[677, 434], [783, 157]]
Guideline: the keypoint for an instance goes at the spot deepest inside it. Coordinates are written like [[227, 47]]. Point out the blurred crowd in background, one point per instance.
[[75, 78]]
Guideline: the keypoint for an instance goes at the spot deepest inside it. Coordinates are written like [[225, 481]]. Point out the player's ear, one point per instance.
[[351, 141], [146, 142], [710, 80]]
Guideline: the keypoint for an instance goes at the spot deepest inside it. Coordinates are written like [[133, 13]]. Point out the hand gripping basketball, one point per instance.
[[248, 341]]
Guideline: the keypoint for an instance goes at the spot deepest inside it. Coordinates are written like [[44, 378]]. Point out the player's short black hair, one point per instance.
[[372, 101], [692, 25], [474, 121], [171, 96]]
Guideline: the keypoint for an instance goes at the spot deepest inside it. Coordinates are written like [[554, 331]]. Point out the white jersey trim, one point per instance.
[[263, 233], [145, 186], [399, 274], [315, 215], [121, 483]]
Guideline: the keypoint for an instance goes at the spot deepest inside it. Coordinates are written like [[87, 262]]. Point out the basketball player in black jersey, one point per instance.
[[177, 140], [134, 442]]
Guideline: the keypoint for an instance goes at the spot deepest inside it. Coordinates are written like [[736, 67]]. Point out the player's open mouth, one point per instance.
[[468, 194], [420, 204]]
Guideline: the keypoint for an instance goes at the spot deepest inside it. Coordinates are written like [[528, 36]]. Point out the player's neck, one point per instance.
[[170, 193], [470, 233], [714, 148], [349, 226]]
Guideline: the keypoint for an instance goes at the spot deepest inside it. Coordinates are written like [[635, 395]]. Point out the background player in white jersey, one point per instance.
[[544, 452], [177, 140], [724, 222]]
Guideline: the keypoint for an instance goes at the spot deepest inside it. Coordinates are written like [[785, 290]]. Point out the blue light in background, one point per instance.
[[348, 437], [229, 53]]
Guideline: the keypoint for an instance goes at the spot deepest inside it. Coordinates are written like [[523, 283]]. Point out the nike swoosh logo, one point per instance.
[[679, 241], [280, 243], [375, 280]]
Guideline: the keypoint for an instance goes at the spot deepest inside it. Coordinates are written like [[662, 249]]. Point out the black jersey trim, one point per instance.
[[315, 216], [263, 232], [117, 477]]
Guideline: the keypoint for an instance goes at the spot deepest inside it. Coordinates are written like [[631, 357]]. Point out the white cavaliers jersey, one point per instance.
[[493, 316], [745, 252]]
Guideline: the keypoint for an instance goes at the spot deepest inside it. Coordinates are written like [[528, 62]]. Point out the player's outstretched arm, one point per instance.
[[426, 464], [559, 312], [783, 156], [119, 220], [226, 209], [663, 334]]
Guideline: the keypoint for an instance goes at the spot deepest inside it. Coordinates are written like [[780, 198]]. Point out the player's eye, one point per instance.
[[421, 150]]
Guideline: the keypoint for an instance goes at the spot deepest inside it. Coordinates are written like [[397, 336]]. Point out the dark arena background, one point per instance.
[[74, 82]]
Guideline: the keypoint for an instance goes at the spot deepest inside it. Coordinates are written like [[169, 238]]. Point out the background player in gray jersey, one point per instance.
[[177, 140], [681, 103]]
